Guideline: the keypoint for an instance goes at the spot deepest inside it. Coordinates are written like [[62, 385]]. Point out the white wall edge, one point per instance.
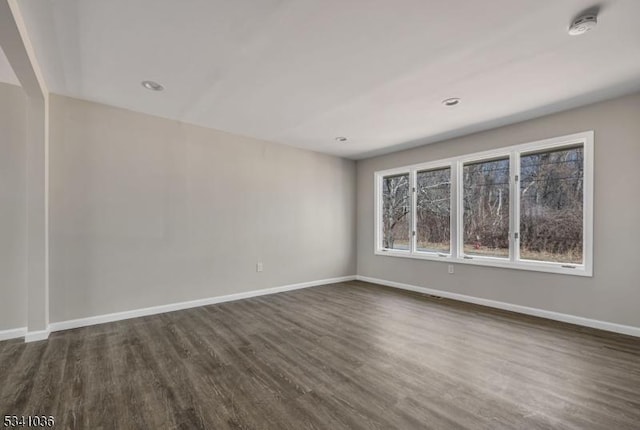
[[13, 333], [572, 319], [118, 316], [34, 336]]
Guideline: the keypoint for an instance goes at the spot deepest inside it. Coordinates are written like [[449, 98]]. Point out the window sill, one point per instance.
[[579, 270]]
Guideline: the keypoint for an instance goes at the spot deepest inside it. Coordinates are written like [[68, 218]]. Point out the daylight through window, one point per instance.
[[527, 207], [395, 212], [551, 205], [486, 208], [433, 210]]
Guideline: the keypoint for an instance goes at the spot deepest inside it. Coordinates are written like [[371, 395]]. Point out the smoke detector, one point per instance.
[[582, 24]]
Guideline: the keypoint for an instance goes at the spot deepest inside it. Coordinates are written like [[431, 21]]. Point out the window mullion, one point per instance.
[[516, 205], [413, 210], [514, 198], [378, 211], [459, 211], [453, 215]]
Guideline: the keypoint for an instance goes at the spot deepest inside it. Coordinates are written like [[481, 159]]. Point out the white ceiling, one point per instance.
[[302, 72], [6, 72]]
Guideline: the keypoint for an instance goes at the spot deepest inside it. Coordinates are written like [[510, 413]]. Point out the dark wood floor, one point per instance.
[[343, 356]]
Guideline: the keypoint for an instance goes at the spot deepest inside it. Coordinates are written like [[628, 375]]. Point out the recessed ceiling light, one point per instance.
[[451, 101], [582, 24], [153, 86], [341, 139]]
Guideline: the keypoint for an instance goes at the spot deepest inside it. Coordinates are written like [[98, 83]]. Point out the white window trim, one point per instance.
[[586, 139]]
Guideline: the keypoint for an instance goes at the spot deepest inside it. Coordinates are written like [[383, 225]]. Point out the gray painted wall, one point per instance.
[[146, 211], [613, 294], [13, 206]]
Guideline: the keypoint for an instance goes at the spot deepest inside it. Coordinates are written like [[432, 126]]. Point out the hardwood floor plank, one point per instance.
[[343, 356]]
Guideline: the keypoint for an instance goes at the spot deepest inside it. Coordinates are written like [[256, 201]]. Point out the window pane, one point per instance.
[[486, 208], [395, 212], [433, 222], [551, 188]]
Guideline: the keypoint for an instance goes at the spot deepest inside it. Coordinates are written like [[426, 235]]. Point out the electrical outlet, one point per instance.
[[259, 266], [450, 268]]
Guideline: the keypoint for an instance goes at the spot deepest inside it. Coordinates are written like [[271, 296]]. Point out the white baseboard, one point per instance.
[[118, 316], [573, 319], [13, 333], [34, 336]]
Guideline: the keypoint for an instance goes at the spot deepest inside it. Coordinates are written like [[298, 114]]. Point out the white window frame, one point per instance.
[[586, 139], [446, 164]]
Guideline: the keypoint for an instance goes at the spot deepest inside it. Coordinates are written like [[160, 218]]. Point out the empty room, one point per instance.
[[305, 214]]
